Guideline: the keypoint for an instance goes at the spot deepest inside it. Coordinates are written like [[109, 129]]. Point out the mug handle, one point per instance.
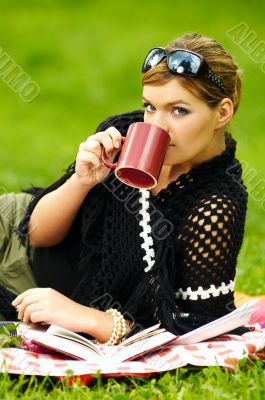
[[104, 158]]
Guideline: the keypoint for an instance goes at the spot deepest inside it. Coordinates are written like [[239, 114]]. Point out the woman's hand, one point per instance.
[[48, 305], [89, 167]]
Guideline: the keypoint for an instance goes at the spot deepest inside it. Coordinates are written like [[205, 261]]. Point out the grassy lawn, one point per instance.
[[86, 58]]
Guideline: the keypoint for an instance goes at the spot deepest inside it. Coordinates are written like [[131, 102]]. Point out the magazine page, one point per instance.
[[138, 344], [233, 320], [65, 333], [75, 345], [125, 352], [56, 330], [220, 326], [86, 350], [149, 339], [145, 333]]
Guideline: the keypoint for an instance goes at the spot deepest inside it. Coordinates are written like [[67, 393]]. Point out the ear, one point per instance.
[[225, 112]]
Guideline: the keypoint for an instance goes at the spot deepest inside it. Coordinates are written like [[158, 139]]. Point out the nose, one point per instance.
[[158, 120]]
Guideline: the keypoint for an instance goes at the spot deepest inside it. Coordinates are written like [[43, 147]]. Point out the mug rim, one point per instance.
[[150, 124], [137, 169]]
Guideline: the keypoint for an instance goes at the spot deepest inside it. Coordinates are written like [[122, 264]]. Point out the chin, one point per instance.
[[170, 159]]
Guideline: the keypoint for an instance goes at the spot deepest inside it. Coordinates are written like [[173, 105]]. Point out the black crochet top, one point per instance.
[[169, 258]]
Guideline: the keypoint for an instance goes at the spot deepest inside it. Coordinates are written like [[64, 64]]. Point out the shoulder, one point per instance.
[[212, 193], [220, 183], [216, 213], [121, 121]]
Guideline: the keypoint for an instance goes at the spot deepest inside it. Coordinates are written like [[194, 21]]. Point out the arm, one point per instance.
[[54, 214], [48, 305], [210, 242]]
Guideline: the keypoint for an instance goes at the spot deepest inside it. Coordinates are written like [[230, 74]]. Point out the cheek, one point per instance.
[[193, 132], [147, 118], [190, 138]]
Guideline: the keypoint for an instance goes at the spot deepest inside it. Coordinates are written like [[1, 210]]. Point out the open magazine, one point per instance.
[[78, 347]]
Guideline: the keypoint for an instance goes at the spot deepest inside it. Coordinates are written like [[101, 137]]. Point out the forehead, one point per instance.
[[170, 92]]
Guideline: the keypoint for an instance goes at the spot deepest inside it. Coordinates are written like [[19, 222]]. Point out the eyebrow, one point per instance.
[[171, 103]]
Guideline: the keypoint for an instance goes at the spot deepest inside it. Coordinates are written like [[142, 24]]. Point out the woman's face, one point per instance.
[[191, 124]]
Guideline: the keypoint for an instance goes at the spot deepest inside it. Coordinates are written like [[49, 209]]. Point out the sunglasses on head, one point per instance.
[[182, 62]]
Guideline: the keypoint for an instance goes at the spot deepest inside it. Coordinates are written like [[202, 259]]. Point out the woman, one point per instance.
[[98, 235]]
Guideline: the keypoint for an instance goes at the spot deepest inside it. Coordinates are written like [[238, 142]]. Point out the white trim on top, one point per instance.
[[148, 242], [202, 294]]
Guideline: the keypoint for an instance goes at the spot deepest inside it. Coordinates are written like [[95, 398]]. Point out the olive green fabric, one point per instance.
[[15, 259]]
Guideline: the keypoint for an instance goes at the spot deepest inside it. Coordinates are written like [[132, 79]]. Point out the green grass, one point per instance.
[[213, 383], [86, 57]]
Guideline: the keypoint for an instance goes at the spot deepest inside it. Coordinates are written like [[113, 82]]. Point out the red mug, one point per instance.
[[142, 155]]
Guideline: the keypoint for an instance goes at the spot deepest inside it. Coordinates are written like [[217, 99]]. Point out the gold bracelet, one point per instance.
[[119, 327]]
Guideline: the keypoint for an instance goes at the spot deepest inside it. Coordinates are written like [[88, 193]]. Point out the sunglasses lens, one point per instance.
[[182, 62], [153, 58]]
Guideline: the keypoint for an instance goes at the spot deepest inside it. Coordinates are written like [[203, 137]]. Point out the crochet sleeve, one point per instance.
[[208, 244]]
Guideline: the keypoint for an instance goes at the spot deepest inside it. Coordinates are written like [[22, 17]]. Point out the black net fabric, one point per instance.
[[207, 207], [210, 242], [191, 280]]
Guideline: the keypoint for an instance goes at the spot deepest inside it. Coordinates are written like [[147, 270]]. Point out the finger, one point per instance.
[[94, 147], [21, 296], [110, 138], [38, 316], [29, 310], [102, 138], [91, 145], [18, 299], [28, 301], [89, 158], [115, 135]]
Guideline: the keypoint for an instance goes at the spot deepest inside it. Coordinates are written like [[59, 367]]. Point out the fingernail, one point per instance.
[[117, 144]]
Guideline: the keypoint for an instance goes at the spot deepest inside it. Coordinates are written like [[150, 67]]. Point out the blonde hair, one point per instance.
[[221, 63]]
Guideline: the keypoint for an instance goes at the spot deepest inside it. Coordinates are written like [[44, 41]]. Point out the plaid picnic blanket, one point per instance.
[[225, 351]]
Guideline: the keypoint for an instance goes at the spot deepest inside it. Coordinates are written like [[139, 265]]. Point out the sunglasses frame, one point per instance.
[[203, 69]]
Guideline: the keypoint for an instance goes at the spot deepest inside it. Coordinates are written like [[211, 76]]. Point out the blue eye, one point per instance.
[[180, 111], [148, 107]]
